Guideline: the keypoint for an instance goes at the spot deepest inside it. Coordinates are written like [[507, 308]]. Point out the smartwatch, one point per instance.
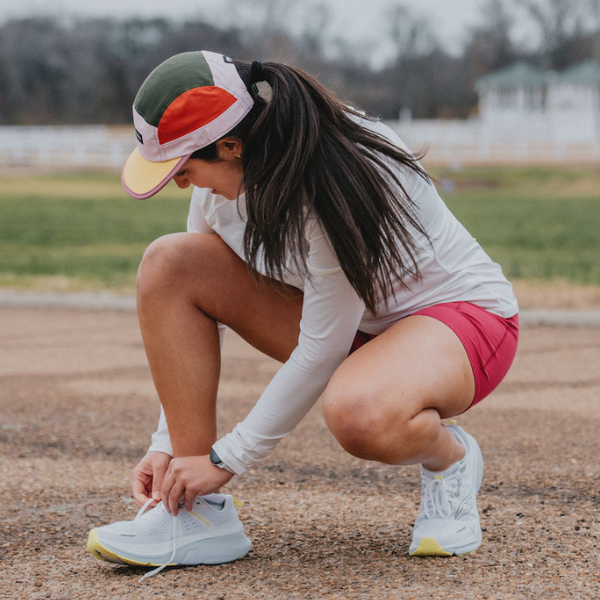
[[215, 460]]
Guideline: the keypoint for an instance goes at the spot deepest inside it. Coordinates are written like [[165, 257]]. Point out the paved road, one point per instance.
[[110, 302], [77, 407]]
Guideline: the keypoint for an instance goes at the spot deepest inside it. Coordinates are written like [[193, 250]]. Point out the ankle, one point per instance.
[[446, 460]]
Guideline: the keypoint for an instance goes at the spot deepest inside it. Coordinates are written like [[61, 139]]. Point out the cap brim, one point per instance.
[[142, 178]]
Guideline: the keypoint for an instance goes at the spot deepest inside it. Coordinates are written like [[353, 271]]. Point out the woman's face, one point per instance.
[[223, 176]]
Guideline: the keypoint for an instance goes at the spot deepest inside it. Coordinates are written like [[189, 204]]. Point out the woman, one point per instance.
[[316, 236]]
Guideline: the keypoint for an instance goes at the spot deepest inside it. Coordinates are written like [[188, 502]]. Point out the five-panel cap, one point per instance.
[[188, 102]]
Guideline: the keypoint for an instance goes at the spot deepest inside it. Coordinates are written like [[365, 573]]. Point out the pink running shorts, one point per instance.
[[490, 341]]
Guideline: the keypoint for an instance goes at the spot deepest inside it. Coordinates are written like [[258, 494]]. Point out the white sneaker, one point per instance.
[[448, 521], [211, 533]]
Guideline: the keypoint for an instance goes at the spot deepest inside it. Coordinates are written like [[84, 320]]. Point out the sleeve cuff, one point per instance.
[[161, 442]]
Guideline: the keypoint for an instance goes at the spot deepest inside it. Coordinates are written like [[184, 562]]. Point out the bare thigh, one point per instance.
[[386, 401], [193, 272]]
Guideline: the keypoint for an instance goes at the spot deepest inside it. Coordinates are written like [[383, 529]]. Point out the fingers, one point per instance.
[[157, 482], [181, 481], [140, 492], [148, 476], [140, 484], [172, 490], [188, 500], [189, 477]]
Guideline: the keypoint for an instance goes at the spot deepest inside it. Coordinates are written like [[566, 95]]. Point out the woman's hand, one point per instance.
[[191, 476], [148, 478]]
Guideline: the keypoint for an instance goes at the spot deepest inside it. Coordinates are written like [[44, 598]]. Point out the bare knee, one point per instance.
[[357, 420], [171, 262], [373, 423], [158, 262]]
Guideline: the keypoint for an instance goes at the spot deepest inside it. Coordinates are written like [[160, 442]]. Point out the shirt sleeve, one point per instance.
[[161, 442], [331, 313]]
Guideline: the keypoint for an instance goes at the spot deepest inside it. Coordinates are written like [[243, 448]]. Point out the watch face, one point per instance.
[[214, 458]]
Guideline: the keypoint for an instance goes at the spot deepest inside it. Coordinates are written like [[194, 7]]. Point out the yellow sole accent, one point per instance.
[[430, 547], [97, 550]]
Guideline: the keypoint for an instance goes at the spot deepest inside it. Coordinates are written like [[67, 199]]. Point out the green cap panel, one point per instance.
[[168, 81]]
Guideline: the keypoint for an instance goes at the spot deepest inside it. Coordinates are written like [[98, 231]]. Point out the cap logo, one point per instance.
[[139, 137], [228, 60]]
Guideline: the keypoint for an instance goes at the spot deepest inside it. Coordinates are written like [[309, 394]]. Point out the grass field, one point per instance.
[[540, 223], [81, 231]]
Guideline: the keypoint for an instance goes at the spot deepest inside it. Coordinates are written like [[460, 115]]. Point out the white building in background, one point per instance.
[[525, 115], [522, 102], [573, 101]]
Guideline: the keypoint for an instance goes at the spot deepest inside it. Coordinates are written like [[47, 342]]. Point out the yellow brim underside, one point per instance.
[[141, 176]]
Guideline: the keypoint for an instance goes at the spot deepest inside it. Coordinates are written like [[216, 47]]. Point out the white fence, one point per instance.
[[447, 142], [472, 142], [65, 147]]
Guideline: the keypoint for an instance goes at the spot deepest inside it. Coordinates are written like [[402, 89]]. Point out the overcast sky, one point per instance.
[[350, 19]]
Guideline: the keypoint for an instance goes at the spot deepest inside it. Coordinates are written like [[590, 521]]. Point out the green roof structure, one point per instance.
[[517, 75], [523, 75], [586, 73]]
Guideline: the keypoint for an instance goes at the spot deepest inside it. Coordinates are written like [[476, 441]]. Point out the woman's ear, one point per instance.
[[230, 148]]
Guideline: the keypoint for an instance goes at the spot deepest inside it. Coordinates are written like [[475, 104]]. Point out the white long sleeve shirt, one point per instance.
[[453, 267]]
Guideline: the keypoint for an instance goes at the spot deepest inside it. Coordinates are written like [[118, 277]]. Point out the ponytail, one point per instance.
[[304, 153]]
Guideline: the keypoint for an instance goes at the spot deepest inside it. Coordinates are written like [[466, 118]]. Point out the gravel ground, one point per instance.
[[77, 409]]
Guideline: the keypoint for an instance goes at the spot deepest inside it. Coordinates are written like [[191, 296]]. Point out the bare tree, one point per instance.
[[89, 71], [560, 23], [411, 35], [594, 9], [267, 29], [490, 46]]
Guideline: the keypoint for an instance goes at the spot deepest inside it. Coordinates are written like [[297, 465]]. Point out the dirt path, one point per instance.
[[77, 407]]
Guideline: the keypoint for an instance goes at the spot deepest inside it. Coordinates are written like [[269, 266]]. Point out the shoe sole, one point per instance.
[[217, 551], [430, 546]]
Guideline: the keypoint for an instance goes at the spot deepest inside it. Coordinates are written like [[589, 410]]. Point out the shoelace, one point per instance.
[[174, 536], [438, 493]]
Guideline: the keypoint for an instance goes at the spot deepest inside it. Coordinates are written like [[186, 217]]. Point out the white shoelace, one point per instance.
[[437, 494], [174, 535]]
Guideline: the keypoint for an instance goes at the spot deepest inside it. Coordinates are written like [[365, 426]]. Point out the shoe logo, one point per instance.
[[202, 519], [465, 507]]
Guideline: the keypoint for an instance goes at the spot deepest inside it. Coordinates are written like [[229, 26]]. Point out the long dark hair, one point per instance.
[[304, 153]]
